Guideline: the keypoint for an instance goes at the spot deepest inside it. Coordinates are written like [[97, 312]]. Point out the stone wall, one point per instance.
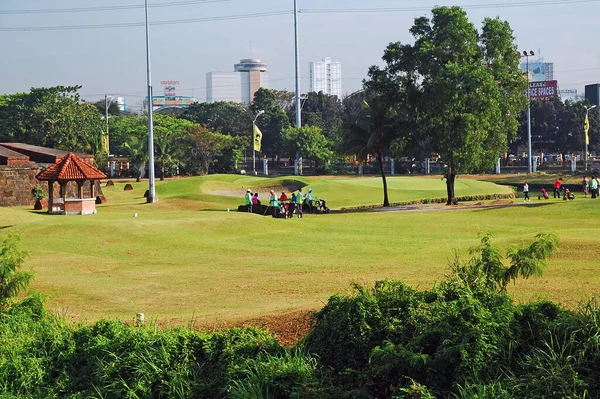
[[16, 184]]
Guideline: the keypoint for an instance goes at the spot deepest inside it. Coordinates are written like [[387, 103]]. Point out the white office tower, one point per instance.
[[326, 76], [238, 86]]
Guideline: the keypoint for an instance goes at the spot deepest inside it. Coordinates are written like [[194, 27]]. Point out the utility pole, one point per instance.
[[298, 166], [529, 150], [151, 190]]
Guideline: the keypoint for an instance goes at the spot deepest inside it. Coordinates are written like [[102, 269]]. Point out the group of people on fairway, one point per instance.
[[590, 186], [283, 204]]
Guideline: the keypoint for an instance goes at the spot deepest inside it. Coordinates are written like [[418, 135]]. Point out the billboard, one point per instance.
[[543, 90]]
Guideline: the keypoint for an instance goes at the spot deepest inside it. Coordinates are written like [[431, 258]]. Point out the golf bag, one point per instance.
[[322, 206]]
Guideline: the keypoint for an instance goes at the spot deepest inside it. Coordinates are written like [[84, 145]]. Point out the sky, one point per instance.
[[105, 57]]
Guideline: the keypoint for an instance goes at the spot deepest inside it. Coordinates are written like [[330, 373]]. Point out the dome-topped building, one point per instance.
[[249, 75]]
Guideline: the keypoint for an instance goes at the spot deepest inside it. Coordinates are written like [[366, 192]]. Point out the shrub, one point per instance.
[[38, 193], [12, 280]]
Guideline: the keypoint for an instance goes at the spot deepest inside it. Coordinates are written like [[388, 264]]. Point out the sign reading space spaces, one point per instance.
[[543, 90]]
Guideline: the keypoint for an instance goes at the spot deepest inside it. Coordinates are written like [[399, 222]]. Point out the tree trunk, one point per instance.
[[386, 201], [450, 177], [162, 170]]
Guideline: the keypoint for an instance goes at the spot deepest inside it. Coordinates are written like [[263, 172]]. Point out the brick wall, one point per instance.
[[16, 184]]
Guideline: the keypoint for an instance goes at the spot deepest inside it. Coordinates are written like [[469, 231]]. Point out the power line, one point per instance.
[[133, 24], [428, 8], [106, 8], [256, 15]]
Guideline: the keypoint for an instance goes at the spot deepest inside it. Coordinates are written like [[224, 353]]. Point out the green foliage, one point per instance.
[[12, 280], [462, 89], [289, 375], [213, 152], [309, 140], [371, 132], [486, 266], [558, 127], [225, 117], [324, 111], [272, 122], [38, 193], [51, 117], [390, 340]]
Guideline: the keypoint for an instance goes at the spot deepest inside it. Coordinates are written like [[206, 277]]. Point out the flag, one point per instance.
[[586, 128], [257, 138]]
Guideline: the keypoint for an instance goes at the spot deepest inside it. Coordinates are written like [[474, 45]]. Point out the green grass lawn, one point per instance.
[[186, 257]]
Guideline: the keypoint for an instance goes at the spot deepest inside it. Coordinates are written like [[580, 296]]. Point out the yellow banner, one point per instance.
[[586, 129], [257, 138]]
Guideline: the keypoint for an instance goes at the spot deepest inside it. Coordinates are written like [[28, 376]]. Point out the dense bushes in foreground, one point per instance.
[[464, 338]]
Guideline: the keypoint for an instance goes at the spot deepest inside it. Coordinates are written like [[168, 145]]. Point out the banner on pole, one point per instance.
[[586, 129], [257, 138]]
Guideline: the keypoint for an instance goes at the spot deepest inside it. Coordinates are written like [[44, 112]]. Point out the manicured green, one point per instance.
[[186, 257]]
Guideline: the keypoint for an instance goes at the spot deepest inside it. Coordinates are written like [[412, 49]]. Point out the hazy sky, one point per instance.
[[112, 59]]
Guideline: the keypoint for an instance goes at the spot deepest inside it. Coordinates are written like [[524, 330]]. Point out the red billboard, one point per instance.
[[543, 90]]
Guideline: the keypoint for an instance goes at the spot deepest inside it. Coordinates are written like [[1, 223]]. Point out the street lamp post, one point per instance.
[[151, 189], [298, 166], [529, 150], [106, 140], [586, 134], [253, 151]]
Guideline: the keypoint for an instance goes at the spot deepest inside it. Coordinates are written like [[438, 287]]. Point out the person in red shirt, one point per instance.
[[557, 185], [283, 197]]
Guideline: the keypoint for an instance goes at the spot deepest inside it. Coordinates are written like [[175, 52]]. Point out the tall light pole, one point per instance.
[[151, 191], [529, 151], [298, 166], [586, 128], [253, 151], [106, 138]]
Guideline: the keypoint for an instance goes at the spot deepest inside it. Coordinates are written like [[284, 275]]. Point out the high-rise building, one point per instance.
[[539, 71], [326, 76], [238, 86]]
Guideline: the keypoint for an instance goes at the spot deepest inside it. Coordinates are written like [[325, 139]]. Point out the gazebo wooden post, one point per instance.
[[80, 184], [63, 190], [50, 195], [92, 188]]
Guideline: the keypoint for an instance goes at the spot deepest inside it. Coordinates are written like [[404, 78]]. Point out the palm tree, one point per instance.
[[137, 151], [371, 132], [164, 143]]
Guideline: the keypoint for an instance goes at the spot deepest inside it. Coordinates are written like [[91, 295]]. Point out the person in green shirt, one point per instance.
[[594, 187], [273, 203], [248, 198]]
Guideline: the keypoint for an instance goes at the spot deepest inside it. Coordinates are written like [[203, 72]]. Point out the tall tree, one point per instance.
[[466, 88], [50, 117], [371, 134], [324, 111], [214, 151], [272, 123], [137, 150], [169, 140], [310, 140]]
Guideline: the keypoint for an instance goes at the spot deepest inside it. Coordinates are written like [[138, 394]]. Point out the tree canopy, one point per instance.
[[464, 88]]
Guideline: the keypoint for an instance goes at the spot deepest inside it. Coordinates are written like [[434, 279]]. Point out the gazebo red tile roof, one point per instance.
[[71, 167]]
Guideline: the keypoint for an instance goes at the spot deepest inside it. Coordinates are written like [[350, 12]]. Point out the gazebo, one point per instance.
[[71, 168]]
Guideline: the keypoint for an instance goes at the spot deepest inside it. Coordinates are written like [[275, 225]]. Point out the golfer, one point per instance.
[[248, 198]]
